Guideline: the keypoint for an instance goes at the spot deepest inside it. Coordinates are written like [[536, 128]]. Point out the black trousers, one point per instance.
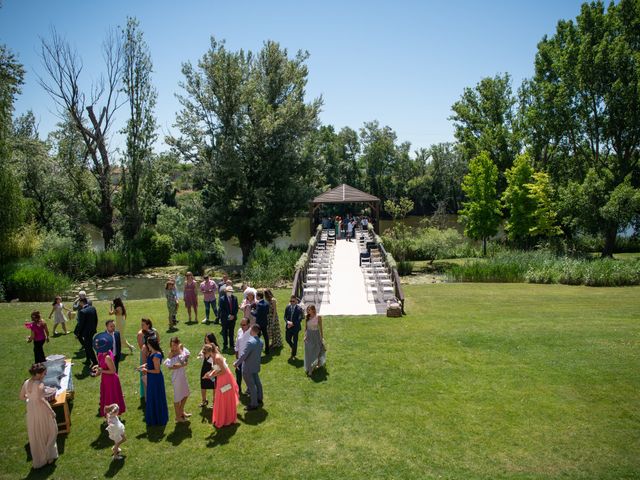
[[265, 334], [291, 337], [239, 377], [38, 351], [227, 332], [88, 350]]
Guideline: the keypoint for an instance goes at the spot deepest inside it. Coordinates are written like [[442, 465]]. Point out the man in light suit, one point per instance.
[[228, 310], [250, 361], [293, 319], [117, 344]]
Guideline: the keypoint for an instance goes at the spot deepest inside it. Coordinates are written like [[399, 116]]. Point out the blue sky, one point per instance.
[[402, 63]]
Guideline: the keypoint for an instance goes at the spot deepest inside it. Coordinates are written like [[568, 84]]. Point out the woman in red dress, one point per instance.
[[225, 404]]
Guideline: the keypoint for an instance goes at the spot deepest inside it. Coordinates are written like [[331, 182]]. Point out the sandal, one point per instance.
[[204, 403]]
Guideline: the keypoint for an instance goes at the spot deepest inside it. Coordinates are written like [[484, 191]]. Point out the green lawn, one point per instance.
[[478, 381]]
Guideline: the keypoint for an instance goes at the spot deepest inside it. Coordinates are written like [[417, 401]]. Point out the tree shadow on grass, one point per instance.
[[222, 436], [154, 433], [102, 441], [180, 433], [114, 467]]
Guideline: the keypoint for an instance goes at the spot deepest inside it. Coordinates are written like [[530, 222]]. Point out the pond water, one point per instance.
[[127, 288]]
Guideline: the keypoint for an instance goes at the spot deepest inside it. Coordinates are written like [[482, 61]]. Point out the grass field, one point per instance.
[[478, 381]]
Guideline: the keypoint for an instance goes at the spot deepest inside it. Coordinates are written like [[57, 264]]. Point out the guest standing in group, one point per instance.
[[206, 355], [222, 286], [117, 309], [116, 343], [191, 296], [145, 333], [177, 362], [261, 312], [250, 362], [39, 335], [209, 290], [247, 307], [86, 329], [110, 388], [171, 294], [315, 354], [60, 318], [273, 320], [228, 314], [156, 410], [42, 427], [225, 404], [242, 338], [293, 320]]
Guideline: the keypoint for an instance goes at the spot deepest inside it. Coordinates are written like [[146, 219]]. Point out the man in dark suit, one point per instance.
[[222, 285], [117, 344], [86, 328], [293, 320], [250, 361], [262, 318], [228, 310]]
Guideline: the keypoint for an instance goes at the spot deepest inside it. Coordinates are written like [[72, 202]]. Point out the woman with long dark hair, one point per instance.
[[145, 333], [206, 383], [156, 410], [117, 309]]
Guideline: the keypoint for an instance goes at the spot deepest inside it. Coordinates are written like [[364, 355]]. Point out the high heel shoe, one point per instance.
[[204, 403]]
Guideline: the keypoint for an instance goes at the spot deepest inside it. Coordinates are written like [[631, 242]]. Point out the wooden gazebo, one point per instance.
[[345, 194]]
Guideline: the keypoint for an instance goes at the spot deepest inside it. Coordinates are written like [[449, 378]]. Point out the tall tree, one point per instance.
[[141, 125], [11, 77], [583, 115], [243, 122], [92, 115], [518, 203], [485, 120], [481, 212]]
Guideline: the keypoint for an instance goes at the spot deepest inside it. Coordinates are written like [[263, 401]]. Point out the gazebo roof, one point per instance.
[[344, 194]]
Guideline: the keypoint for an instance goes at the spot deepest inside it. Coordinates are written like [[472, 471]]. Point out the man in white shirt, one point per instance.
[[241, 342]]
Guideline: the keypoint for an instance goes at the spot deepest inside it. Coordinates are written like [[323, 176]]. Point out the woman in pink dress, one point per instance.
[[191, 296], [110, 388], [225, 404]]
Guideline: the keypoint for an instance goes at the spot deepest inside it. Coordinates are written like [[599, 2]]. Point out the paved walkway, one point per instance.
[[348, 295]]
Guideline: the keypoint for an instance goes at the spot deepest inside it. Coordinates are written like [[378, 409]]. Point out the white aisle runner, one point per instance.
[[348, 295]]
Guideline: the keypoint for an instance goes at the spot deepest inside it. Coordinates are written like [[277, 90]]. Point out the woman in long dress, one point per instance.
[[156, 410], [117, 309], [145, 333], [41, 419], [273, 321], [315, 354], [110, 388], [225, 405], [177, 361], [247, 305], [191, 296], [207, 383]]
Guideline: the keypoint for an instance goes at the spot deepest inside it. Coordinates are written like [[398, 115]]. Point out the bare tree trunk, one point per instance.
[[609, 242]]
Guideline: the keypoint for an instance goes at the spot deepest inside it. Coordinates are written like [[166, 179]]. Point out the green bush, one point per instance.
[[196, 260], [35, 283], [159, 250], [268, 267], [434, 244], [405, 268], [544, 267]]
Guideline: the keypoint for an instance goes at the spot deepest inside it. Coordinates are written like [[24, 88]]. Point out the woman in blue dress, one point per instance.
[[156, 411]]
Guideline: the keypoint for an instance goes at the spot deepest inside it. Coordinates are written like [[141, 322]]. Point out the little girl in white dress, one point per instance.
[[115, 428]]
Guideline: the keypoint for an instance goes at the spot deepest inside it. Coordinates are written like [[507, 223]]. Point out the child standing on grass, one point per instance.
[[116, 429], [39, 335], [60, 318]]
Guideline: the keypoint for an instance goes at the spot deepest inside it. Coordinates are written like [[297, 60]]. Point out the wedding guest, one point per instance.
[[273, 321], [110, 388], [171, 294], [191, 296], [177, 362], [115, 428], [261, 312], [222, 285], [59, 319], [247, 289], [116, 343], [225, 404], [247, 307], [315, 354], [156, 410], [42, 427], [39, 335], [145, 333], [228, 313], [293, 319], [241, 342], [86, 329], [206, 354], [250, 361], [209, 290], [117, 309]]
